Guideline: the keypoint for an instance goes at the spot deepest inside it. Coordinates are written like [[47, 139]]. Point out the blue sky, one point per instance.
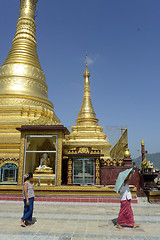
[[122, 38]]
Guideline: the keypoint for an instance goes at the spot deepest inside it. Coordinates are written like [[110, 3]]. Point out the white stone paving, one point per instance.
[[70, 221]]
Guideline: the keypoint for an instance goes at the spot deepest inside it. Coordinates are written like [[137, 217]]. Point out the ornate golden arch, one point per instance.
[[3, 163]]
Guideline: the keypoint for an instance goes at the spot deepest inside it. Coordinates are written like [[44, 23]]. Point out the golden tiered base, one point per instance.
[[66, 190]]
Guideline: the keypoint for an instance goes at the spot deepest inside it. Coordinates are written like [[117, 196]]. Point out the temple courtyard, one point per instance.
[[77, 221]]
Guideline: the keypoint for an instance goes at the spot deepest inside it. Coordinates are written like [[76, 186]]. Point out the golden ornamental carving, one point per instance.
[[108, 161], [112, 162], [43, 120], [10, 70], [72, 151], [120, 162], [97, 171], [26, 82], [9, 160], [24, 24], [22, 101], [83, 150], [69, 174], [69, 167]]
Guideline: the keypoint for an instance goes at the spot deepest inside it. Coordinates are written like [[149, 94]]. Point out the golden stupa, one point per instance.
[[87, 132], [23, 88]]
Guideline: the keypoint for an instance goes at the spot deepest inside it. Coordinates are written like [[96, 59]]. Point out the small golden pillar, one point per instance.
[[97, 172], [70, 172]]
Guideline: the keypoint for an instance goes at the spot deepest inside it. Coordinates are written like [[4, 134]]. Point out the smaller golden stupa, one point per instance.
[[87, 132]]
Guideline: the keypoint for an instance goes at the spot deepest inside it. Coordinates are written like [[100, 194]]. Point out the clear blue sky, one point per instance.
[[122, 38]]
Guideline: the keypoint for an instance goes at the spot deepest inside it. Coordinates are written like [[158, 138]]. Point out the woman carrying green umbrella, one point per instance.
[[125, 217]]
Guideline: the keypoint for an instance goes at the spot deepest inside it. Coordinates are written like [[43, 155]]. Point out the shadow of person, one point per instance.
[[34, 220], [30, 223], [114, 221]]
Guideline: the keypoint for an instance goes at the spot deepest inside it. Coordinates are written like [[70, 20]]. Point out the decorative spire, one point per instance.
[[143, 151], [24, 47], [27, 8], [87, 132], [22, 80], [142, 143], [86, 58], [86, 112], [86, 72]]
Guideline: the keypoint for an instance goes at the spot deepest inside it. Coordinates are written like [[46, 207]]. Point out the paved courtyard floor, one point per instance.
[[70, 221]]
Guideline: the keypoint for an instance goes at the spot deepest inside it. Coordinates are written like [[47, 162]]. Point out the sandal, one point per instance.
[[22, 223]]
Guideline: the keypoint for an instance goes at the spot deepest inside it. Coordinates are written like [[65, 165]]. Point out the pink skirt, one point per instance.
[[125, 217]]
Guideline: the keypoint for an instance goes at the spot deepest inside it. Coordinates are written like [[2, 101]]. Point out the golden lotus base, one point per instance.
[[43, 171], [44, 179]]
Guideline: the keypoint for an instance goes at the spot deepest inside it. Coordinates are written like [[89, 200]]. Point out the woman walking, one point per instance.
[[28, 195], [125, 217]]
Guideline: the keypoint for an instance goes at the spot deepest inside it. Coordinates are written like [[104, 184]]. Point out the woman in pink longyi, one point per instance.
[[126, 218]]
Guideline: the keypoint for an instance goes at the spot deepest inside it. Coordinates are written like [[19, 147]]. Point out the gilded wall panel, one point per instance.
[[21, 161], [59, 160]]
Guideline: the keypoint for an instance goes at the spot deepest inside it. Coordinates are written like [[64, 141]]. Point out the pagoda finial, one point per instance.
[[86, 73], [86, 58], [142, 143], [121, 128]]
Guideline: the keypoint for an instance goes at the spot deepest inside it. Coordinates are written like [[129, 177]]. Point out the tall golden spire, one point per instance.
[[23, 88], [86, 112], [21, 76], [24, 43]]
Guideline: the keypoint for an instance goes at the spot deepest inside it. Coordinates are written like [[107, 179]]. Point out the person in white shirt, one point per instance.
[[125, 217]]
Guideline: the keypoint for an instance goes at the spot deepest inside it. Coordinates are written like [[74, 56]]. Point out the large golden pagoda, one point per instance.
[[23, 88]]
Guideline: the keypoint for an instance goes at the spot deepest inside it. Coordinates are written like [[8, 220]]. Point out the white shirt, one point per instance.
[[125, 193], [30, 191]]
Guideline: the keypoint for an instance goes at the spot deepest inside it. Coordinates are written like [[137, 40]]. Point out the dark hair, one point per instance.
[[28, 176]]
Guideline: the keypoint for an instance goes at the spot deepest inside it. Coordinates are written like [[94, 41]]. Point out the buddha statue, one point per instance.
[[44, 166]]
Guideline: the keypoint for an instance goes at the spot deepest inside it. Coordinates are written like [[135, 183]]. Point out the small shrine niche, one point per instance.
[[40, 154]]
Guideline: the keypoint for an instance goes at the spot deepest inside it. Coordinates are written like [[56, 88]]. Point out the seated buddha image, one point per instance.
[[44, 164]]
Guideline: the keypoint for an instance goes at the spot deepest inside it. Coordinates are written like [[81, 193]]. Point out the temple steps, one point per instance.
[[77, 194], [66, 198]]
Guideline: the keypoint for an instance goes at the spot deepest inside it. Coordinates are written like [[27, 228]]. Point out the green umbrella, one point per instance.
[[121, 178]]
